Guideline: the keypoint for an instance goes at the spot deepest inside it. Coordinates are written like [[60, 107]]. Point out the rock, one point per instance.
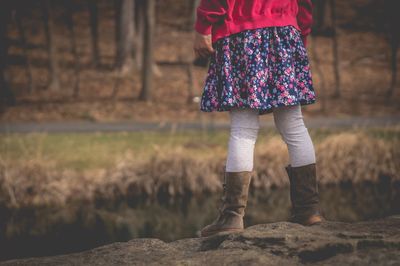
[[283, 243]]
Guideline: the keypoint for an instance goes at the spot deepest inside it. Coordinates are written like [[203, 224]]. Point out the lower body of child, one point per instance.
[[252, 73]]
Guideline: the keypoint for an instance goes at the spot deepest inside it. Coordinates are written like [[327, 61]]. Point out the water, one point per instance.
[[51, 231]]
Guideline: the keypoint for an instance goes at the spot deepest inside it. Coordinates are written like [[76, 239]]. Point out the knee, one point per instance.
[[244, 133], [290, 124]]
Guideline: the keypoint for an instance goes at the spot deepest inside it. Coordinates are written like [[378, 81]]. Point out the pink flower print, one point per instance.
[[256, 69], [270, 75]]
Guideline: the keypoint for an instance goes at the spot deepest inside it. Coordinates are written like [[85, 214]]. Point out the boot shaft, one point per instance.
[[304, 193], [234, 201], [236, 189]]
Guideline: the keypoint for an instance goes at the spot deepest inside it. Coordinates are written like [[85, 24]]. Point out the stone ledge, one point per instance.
[[282, 243]]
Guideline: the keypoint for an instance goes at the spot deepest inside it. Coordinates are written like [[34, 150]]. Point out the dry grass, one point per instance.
[[357, 157], [191, 170]]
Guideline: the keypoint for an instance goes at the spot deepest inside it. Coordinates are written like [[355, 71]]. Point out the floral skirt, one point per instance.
[[259, 69]]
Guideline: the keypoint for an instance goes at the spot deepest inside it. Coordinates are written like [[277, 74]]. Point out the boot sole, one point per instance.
[[221, 232], [312, 220]]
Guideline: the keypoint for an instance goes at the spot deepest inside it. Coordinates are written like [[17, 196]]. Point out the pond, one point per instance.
[[81, 226]]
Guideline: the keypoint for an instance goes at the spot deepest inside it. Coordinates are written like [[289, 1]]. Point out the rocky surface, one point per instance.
[[282, 243]]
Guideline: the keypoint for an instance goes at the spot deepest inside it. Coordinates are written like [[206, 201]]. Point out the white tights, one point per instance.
[[244, 131]]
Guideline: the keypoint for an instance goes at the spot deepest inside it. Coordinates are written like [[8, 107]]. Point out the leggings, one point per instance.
[[244, 131]]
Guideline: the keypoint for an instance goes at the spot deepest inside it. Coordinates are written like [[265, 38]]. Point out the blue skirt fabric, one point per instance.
[[259, 69]]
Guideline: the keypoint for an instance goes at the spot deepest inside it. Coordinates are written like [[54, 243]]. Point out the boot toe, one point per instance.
[[312, 220]]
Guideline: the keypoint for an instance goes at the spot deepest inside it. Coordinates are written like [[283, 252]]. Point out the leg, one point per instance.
[[239, 166], [243, 136], [301, 170], [290, 124]]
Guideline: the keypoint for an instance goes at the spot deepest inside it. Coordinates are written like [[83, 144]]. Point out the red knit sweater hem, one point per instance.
[[232, 27]]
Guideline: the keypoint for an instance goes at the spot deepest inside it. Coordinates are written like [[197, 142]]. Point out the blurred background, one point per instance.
[[102, 140]]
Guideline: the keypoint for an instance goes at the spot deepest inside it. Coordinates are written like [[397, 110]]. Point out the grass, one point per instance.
[[94, 151], [54, 169]]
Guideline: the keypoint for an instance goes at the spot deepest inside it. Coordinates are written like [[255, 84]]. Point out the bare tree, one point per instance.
[[139, 32], [74, 51], [94, 31], [147, 70], [192, 82], [322, 25], [319, 72], [194, 5], [22, 36], [139, 35], [335, 47], [6, 95], [325, 25], [125, 28], [393, 21], [48, 21]]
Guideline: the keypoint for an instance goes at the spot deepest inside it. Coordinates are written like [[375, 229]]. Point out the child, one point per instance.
[[259, 65]]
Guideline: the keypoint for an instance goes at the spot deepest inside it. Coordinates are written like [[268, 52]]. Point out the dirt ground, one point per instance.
[[106, 96]]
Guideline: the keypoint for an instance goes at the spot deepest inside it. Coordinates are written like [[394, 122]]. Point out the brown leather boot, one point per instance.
[[234, 201], [304, 195]]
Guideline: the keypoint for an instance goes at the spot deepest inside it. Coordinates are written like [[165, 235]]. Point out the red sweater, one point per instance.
[[225, 17]]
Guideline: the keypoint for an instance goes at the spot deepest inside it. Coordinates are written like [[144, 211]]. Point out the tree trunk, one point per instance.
[[335, 50], [192, 84], [51, 48], [6, 95], [22, 36], [147, 71], [195, 4], [125, 36], [319, 72], [320, 13], [139, 32], [74, 51], [394, 47], [392, 20], [94, 32]]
